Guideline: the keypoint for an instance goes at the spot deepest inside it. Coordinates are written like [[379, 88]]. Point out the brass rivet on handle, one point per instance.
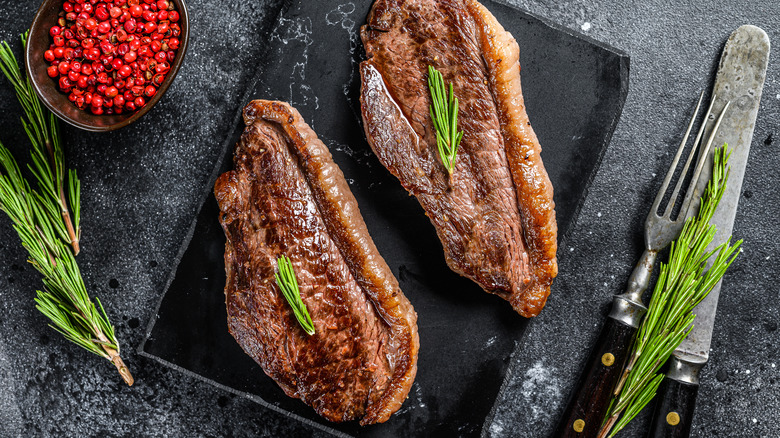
[[579, 425], [608, 359], [673, 418]]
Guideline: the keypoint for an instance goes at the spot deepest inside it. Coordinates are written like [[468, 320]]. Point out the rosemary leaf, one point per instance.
[[285, 278], [444, 113], [682, 284]]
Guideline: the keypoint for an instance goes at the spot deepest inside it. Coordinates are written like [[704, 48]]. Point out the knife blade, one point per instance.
[[739, 80]]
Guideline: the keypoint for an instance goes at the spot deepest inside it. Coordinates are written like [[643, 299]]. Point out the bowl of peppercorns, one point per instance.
[[102, 64]]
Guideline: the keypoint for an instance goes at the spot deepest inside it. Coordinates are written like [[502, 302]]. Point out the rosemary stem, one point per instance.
[[626, 371], [608, 425], [50, 151], [74, 239], [114, 357], [63, 200]]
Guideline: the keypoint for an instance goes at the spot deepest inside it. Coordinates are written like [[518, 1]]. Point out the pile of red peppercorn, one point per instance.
[[111, 56]]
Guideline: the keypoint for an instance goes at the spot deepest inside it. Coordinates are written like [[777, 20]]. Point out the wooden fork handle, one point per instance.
[[590, 401]]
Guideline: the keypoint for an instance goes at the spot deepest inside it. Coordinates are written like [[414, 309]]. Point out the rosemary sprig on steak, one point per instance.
[[41, 219], [48, 157], [682, 284], [444, 113], [285, 278]]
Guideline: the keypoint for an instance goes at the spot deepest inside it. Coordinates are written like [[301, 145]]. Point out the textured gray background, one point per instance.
[[142, 186]]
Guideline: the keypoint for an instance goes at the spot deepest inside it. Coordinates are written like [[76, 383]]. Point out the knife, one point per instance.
[[740, 79]]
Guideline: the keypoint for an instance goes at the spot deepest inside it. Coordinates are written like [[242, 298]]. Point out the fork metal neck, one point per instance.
[[628, 307], [640, 278]]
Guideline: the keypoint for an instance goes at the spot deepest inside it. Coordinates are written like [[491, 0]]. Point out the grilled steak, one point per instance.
[[495, 216], [286, 196]]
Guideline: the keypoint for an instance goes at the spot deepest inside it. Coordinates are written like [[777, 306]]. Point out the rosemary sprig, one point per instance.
[[682, 284], [444, 113], [285, 278], [48, 157], [64, 298], [42, 220]]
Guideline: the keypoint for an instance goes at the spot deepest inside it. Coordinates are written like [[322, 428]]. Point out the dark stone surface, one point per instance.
[[577, 88], [143, 202], [674, 50]]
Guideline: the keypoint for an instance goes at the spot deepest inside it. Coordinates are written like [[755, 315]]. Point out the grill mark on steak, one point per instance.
[[495, 217], [287, 196]]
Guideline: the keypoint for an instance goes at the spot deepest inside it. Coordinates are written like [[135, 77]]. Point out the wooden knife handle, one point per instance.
[[589, 403], [676, 401]]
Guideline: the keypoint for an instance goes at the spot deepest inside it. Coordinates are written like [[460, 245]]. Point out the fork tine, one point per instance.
[[696, 144], [670, 172], [704, 155]]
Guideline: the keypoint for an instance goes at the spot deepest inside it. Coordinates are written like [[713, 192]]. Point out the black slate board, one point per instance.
[[574, 89]]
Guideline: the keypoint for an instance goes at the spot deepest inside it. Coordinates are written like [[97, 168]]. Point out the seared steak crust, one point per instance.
[[495, 216], [286, 196]]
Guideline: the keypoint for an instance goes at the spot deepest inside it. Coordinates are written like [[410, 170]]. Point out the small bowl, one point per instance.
[[57, 101]]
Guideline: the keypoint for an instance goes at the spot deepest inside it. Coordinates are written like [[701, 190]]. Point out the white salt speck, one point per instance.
[[767, 257], [778, 96], [585, 26], [539, 384], [496, 428], [755, 420], [571, 249], [747, 371], [418, 392], [598, 214], [773, 365], [605, 284], [654, 174]]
